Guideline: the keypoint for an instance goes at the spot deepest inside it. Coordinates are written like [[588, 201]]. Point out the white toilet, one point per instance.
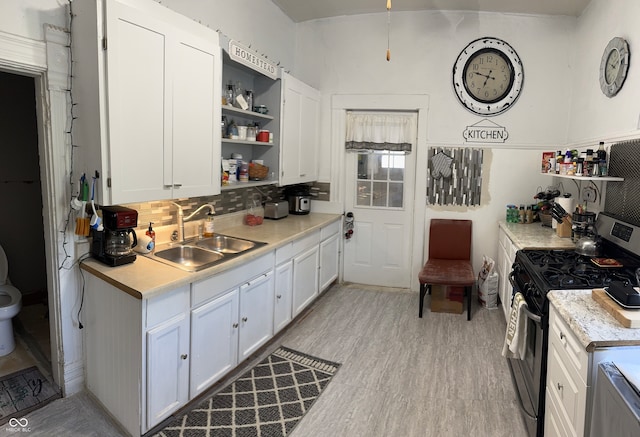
[[10, 304]]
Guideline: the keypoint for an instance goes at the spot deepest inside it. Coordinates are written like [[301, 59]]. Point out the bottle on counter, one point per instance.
[[208, 226], [151, 233], [529, 215], [522, 214]]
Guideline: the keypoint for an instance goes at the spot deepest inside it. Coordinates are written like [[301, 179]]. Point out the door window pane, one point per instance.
[[380, 181]]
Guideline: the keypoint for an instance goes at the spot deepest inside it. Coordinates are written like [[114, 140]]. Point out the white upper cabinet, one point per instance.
[[147, 84], [300, 131]]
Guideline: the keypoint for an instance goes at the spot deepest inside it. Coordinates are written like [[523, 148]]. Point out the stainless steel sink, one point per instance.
[[189, 258], [195, 255], [226, 244]]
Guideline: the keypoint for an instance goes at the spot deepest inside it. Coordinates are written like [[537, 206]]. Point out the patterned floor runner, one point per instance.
[[266, 401]]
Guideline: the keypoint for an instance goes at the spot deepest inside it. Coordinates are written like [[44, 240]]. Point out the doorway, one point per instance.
[[22, 234], [417, 104], [379, 191]]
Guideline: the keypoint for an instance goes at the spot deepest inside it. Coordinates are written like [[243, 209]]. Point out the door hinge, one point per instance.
[[109, 182], [104, 43]]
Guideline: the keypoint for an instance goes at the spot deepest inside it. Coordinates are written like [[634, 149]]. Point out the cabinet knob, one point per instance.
[[244, 319], [184, 356], [279, 296], [235, 325], [560, 386], [561, 336]]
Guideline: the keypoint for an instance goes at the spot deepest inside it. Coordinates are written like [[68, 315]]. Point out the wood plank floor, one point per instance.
[[401, 376]]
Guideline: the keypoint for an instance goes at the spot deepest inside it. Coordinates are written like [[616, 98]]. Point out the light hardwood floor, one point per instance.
[[400, 376]]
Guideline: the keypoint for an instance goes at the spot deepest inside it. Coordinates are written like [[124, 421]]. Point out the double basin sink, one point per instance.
[[198, 254]]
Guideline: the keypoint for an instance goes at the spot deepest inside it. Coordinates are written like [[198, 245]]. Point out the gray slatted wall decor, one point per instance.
[[464, 186], [623, 198]]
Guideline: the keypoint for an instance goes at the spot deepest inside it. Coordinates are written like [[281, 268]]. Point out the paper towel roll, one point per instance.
[[566, 203]]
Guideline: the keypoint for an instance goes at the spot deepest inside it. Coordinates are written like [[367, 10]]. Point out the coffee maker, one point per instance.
[[113, 246]]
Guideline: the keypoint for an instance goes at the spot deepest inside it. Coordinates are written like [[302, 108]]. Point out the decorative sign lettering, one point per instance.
[[485, 131], [248, 57]]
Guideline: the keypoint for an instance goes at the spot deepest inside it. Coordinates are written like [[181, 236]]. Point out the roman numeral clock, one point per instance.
[[488, 76]]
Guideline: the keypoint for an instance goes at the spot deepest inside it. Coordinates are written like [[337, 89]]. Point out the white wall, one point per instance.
[[346, 55], [259, 24], [593, 115], [26, 17]]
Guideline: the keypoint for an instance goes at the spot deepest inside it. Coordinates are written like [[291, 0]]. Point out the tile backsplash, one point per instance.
[[162, 213]]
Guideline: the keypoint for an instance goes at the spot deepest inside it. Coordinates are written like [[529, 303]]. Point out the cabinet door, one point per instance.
[[305, 279], [256, 314], [328, 261], [136, 100], [300, 131], [196, 118], [214, 341], [167, 368], [283, 291]]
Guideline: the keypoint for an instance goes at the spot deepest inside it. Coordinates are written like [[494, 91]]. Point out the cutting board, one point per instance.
[[628, 318]]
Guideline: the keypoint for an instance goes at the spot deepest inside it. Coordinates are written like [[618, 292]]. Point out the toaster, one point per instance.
[[276, 210]]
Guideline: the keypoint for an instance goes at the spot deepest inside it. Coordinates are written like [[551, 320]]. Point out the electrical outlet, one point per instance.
[[589, 194]]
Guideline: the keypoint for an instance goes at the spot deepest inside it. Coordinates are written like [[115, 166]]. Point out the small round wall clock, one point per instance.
[[488, 76], [614, 66]]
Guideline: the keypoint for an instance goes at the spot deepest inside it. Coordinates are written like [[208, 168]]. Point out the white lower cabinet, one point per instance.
[[283, 296], [305, 279], [212, 356], [256, 314], [506, 256], [329, 256], [167, 368], [571, 378]]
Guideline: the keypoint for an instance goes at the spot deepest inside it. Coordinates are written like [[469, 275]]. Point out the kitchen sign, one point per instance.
[[485, 131], [248, 57]]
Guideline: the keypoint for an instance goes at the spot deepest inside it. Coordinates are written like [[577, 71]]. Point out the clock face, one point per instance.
[[488, 76], [614, 66]]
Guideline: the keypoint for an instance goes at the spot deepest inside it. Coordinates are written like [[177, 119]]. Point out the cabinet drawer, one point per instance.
[[329, 230], [306, 242], [213, 286], [284, 253], [569, 392], [166, 306], [553, 422], [567, 345]]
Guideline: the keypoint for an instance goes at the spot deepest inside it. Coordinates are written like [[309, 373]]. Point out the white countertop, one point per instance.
[[591, 323], [535, 236], [146, 278]]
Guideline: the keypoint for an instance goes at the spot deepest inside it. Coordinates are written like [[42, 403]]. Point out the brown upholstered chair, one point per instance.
[[449, 260]]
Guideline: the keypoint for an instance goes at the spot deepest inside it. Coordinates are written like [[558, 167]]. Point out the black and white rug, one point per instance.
[[266, 401]]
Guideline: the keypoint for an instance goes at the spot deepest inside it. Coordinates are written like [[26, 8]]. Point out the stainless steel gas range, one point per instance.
[[535, 273]]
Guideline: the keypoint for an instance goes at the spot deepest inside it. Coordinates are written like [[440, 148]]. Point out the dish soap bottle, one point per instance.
[[208, 226], [151, 233]]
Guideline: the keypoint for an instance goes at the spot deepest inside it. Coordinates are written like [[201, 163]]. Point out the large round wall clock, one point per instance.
[[488, 76], [614, 66]]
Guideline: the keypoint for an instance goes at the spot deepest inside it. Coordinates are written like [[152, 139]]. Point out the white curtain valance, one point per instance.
[[370, 131]]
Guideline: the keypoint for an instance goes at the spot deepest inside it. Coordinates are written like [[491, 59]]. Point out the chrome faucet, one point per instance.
[[182, 218]]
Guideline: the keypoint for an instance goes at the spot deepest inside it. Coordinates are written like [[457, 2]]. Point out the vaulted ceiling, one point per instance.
[[305, 10]]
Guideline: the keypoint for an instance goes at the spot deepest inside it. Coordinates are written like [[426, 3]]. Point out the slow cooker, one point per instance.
[[299, 199]]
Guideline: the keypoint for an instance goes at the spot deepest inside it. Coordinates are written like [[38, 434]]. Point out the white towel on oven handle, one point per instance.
[[515, 341]]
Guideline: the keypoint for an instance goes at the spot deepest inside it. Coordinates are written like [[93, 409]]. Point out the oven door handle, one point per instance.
[[534, 317]]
